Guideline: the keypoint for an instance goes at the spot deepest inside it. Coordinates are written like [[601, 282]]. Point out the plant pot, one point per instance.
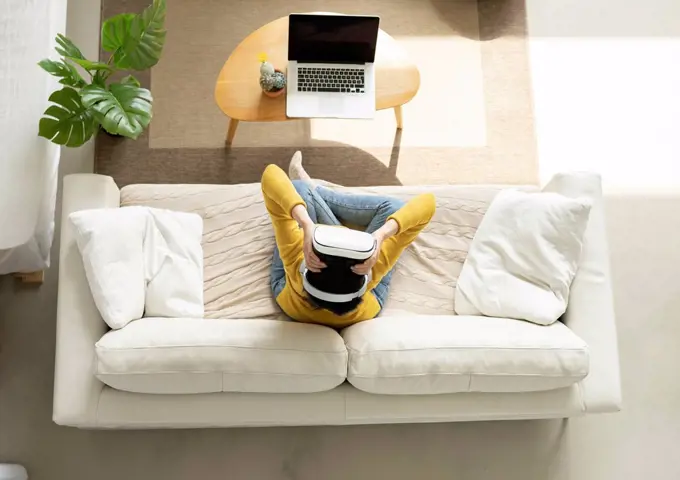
[[274, 94]]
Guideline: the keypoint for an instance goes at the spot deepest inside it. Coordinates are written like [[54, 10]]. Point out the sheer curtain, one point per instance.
[[28, 164]]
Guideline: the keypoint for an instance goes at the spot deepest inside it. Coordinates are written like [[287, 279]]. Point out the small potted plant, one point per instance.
[[272, 80], [87, 103]]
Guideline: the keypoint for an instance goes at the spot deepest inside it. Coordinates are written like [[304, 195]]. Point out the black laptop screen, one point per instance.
[[332, 38]]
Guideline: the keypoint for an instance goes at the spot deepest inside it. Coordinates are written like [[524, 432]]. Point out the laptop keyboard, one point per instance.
[[342, 80]]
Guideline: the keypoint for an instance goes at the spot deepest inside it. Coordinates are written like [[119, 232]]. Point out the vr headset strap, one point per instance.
[[332, 297]]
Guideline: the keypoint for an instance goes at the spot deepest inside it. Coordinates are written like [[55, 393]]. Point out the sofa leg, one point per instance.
[[33, 278]]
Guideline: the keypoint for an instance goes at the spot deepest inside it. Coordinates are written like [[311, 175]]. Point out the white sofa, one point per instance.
[[245, 366]]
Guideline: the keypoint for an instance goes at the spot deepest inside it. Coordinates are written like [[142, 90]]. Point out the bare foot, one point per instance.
[[295, 169]]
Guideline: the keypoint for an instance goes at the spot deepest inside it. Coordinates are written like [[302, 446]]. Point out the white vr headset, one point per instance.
[[331, 244]]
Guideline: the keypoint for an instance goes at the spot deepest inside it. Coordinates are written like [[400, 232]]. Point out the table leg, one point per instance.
[[231, 131], [397, 114]]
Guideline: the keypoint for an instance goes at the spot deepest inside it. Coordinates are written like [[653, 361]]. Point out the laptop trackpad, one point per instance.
[[332, 107]]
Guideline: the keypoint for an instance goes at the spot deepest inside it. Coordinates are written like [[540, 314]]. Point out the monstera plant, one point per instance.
[[85, 103]]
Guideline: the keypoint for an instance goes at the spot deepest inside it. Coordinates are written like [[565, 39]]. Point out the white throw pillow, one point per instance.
[[523, 257], [173, 264], [141, 261], [110, 242]]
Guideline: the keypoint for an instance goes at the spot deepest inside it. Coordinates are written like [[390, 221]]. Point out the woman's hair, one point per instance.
[[335, 307]]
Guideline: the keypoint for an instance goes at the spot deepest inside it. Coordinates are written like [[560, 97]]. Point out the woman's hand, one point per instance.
[[314, 264], [367, 266], [383, 233]]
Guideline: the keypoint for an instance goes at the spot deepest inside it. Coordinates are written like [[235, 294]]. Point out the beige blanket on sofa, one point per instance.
[[238, 243]]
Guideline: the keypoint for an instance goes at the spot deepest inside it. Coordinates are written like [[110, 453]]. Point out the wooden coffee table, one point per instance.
[[238, 93]]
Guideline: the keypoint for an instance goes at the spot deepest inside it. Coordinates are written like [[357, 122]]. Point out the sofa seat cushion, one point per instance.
[[186, 355], [413, 354]]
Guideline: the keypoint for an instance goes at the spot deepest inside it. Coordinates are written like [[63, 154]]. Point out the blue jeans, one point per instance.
[[328, 207]]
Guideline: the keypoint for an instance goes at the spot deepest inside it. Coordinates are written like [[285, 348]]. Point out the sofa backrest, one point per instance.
[[238, 243]]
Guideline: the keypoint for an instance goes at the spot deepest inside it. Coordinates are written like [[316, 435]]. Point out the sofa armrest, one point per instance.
[[590, 311], [79, 324]]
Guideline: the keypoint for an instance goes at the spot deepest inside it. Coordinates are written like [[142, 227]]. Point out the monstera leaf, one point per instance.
[[115, 30], [67, 122], [90, 65], [65, 71], [130, 79], [124, 109], [136, 40], [67, 49]]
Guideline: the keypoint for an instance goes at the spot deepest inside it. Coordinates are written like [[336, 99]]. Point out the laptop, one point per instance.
[[330, 66]]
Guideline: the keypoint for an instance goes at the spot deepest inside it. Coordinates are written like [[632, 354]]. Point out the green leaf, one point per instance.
[[67, 72], [123, 109], [90, 66], [115, 30], [66, 48], [130, 80], [144, 41], [67, 121], [99, 78], [75, 74]]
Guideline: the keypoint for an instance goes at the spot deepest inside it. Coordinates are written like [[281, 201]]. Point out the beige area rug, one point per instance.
[[471, 121]]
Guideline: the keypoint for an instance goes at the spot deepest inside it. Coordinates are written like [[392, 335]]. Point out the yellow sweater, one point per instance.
[[280, 198]]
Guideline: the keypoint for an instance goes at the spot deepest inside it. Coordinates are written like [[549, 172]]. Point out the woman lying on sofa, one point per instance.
[[335, 276]]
